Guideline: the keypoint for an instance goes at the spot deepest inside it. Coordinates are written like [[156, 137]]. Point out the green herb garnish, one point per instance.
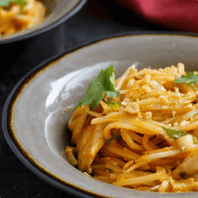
[[190, 78], [177, 134], [4, 3], [102, 86], [21, 2], [115, 137], [110, 103]]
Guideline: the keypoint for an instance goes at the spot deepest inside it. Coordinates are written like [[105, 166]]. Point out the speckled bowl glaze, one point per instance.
[[34, 120], [58, 11]]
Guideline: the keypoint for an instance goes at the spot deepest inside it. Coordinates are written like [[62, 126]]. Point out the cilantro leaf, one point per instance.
[[4, 2], [21, 2], [189, 78], [99, 87], [112, 104], [177, 134], [112, 93]]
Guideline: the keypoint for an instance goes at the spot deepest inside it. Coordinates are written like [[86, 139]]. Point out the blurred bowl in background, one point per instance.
[[58, 11]]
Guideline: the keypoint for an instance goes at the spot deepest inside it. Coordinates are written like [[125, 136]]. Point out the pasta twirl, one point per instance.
[[129, 147]]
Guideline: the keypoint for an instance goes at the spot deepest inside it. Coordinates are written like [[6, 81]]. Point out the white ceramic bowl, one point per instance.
[[34, 122], [58, 11]]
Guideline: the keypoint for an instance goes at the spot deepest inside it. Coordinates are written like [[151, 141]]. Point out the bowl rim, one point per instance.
[[18, 151], [72, 12]]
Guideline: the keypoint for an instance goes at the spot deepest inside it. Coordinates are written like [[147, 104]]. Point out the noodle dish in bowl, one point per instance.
[[140, 131], [109, 121]]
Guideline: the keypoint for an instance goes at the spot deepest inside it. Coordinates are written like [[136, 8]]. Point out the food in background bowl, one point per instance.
[[19, 15], [140, 131]]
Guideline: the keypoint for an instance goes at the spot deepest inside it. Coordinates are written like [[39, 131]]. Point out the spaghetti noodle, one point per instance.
[[14, 18], [129, 147]]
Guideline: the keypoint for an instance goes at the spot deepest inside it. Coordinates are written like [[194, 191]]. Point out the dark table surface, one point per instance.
[[93, 21]]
